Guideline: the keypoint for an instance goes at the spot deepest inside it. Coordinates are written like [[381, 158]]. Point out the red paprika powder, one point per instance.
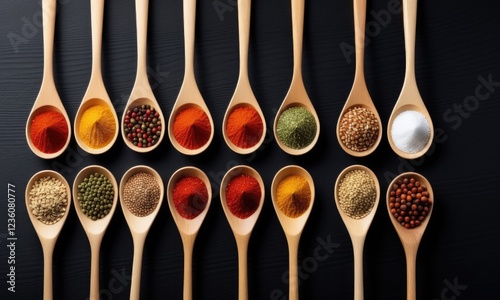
[[49, 131], [244, 126], [191, 128], [190, 196], [243, 195]]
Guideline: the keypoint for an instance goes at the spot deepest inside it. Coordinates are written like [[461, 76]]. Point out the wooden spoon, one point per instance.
[[96, 92], [410, 238], [243, 94], [48, 99], [141, 92], [359, 96], [189, 94], [410, 98], [47, 234], [242, 228], [297, 95], [357, 228], [292, 227], [188, 228], [94, 229], [139, 226]]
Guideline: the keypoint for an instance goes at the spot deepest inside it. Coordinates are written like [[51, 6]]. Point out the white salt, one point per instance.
[[410, 131]]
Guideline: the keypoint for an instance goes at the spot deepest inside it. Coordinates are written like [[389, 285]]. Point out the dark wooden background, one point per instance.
[[457, 45]]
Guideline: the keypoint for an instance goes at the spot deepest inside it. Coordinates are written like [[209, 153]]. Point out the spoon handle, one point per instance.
[[357, 245], [244, 11], [48, 252], [188, 245], [94, 269], [242, 244], [189, 14], [49, 23], [359, 33], [97, 15], [293, 278], [297, 35], [141, 8], [411, 261], [410, 25], [135, 288]]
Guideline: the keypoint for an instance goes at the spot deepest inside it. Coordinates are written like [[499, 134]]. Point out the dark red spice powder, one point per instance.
[[49, 131], [244, 127], [243, 196], [190, 196]]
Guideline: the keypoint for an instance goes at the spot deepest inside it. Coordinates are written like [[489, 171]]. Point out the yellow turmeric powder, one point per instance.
[[293, 195], [97, 126]]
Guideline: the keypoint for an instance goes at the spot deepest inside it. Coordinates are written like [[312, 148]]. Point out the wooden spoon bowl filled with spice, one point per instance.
[[410, 201], [95, 195], [189, 195], [48, 201], [293, 193]]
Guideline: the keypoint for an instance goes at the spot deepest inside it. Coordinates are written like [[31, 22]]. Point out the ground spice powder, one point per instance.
[[296, 127], [49, 131], [97, 126], [190, 197], [293, 195], [244, 127], [243, 195], [191, 128]]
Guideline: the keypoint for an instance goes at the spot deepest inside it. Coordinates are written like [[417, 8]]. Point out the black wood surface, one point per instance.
[[458, 50]]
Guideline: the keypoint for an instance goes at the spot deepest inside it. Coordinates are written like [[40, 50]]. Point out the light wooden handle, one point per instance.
[[188, 244], [242, 244], [411, 261], [48, 252], [358, 268], [49, 22], [141, 9], [135, 288], [94, 269], [97, 15], [297, 35], [244, 12], [410, 25], [189, 14], [293, 276], [359, 36]]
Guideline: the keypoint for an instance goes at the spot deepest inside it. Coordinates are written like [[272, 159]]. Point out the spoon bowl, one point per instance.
[[292, 227], [188, 228], [94, 229], [189, 94], [297, 94], [242, 228], [410, 98], [243, 94], [47, 234], [357, 228], [139, 226], [96, 92], [410, 238], [141, 93], [48, 98]]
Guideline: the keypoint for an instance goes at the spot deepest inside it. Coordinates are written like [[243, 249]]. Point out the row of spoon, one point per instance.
[[242, 228], [189, 94]]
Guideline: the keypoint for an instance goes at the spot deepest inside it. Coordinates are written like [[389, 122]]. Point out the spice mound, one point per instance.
[[243, 195], [296, 127], [49, 131], [190, 197], [409, 202], [191, 128], [410, 131], [293, 195], [357, 194], [97, 126], [244, 127], [95, 196], [141, 194], [142, 125], [48, 199], [359, 129]]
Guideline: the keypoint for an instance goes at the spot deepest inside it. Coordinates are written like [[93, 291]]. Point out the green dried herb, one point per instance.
[[296, 127]]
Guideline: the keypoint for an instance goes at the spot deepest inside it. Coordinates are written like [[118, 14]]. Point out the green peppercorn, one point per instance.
[[95, 196]]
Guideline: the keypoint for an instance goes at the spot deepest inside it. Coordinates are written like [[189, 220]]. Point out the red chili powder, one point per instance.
[[49, 131], [243, 196], [192, 128], [244, 126], [190, 196]]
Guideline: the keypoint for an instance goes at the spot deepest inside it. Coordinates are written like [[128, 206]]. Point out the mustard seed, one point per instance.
[[409, 202]]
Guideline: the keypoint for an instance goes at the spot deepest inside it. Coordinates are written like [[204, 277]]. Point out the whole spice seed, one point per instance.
[[141, 194], [243, 195], [410, 131], [49, 131], [296, 127], [293, 195], [48, 200], [409, 202], [95, 196], [190, 197], [357, 194], [244, 127], [97, 126], [142, 125], [191, 128], [359, 129]]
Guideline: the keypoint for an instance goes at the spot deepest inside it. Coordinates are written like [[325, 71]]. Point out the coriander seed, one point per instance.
[[359, 129], [48, 200], [357, 193], [141, 194]]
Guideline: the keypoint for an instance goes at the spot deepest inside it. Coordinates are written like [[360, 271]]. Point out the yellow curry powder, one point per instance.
[[97, 126], [293, 195]]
